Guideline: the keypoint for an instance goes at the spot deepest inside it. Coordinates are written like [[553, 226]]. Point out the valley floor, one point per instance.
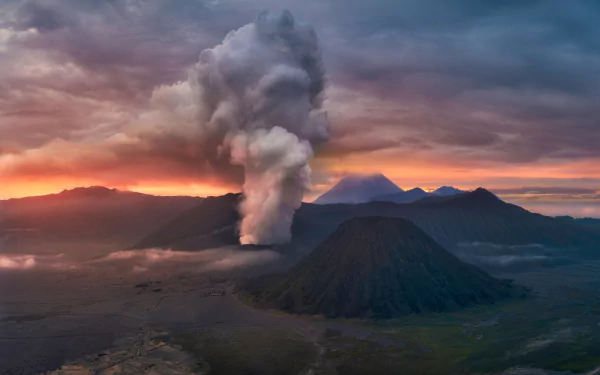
[[111, 320]]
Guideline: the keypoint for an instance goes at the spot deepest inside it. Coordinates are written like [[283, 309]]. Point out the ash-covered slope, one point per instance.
[[358, 189], [379, 267]]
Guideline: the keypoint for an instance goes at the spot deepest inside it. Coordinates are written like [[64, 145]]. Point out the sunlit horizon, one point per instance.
[[577, 205]]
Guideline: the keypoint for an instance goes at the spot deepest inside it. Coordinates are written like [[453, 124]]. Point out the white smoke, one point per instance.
[[260, 95], [277, 174]]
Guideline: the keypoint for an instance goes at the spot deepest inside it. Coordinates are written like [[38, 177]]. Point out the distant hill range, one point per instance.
[[377, 267], [94, 214], [477, 216], [445, 191], [408, 196], [370, 188], [585, 221], [359, 189]]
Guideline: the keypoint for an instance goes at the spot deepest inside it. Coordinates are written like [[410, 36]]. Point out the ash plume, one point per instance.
[[260, 98]]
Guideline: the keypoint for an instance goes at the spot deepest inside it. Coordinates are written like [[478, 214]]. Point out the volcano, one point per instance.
[[379, 267], [359, 189]]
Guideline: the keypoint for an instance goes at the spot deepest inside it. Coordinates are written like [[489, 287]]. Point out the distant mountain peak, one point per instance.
[[89, 191], [447, 190], [479, 197], [362, 178], [358, 189], [482, 193]]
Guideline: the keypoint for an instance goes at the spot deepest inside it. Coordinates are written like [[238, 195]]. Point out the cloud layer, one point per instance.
[[455, 88]]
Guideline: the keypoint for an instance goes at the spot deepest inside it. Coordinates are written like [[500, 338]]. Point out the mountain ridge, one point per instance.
[[477, 216], [93, 191], [354, 189], [408, 196], [93, 214], [447, 190]]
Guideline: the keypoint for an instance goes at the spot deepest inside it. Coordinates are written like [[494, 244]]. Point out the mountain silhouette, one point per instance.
[[358, 189], [447, 190], [416, 194], [211, 223], [94, 214], [408, 196], [477, 216], [378, 267]]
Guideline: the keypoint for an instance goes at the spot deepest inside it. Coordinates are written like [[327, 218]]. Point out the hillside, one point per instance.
[[378, 267], [477, 216], [211, 223], [358, 189], [95, 214]]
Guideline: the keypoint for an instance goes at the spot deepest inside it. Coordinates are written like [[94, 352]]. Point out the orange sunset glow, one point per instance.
[[397, 105]]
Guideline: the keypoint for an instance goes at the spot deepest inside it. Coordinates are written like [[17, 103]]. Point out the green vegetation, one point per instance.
[[479, 340]]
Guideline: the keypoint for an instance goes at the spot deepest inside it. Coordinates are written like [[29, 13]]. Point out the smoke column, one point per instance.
[[260, 95]]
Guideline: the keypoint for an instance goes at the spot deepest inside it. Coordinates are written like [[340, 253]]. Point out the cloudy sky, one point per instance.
[[503, 94]]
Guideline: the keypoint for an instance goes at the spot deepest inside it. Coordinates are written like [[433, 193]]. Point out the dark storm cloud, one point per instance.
[[40, 17], [74, 73], [128, 53], [533, 65], [514, 81], [464, 39]]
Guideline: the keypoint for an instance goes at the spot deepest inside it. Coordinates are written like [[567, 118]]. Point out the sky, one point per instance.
[[501, 94]]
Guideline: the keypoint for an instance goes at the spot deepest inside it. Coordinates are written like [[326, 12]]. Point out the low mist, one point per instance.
[[510, 258], [140, 261], [222, 259]]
